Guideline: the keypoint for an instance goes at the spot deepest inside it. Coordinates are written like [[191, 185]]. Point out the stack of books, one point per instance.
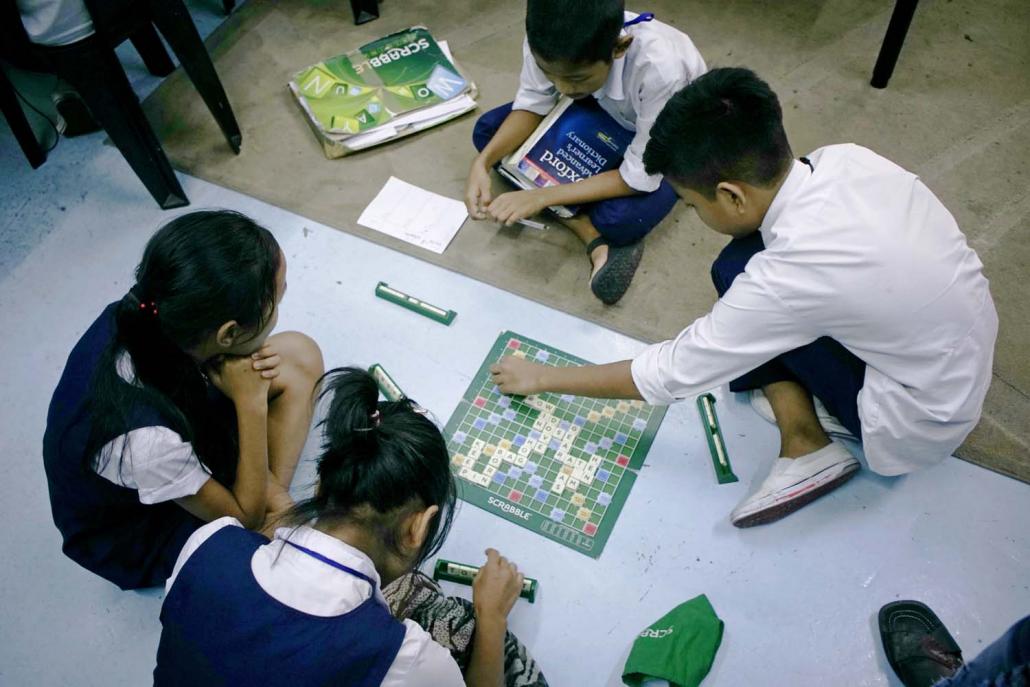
[[392, 87]]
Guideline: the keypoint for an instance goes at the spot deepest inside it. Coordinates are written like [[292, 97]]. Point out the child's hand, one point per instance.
[[495, 588], [477, 190], [266, 361], [517, 376], [236, 377], [509, 208]]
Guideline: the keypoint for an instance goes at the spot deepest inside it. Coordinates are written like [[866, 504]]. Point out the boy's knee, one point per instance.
[[481, 134], [733, 259], [301, 354]]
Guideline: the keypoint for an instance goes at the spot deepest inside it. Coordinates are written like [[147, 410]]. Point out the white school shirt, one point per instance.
[[308, 585], [659, 62], [861, 251], [157, 462], [55, 22]]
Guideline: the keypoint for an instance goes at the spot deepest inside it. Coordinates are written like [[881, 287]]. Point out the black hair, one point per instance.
[[198, 272], [574, 31], [725, 125], [375, 469]]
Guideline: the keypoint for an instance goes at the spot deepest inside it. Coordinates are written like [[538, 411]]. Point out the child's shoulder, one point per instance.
[[660, 48]]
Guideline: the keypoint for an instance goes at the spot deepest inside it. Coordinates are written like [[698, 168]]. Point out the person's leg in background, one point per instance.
[[1005, 663]]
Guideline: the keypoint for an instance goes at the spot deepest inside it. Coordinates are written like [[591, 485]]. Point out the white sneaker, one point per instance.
[[794, 482], [831, 425]]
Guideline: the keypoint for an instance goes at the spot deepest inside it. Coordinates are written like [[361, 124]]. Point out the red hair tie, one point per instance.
[[150, 307]]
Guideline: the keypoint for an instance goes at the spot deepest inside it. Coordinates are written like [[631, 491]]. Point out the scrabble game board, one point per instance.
[[559, 465]]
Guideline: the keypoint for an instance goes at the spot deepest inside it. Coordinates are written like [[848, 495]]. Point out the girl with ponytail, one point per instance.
[[177, 407], [313, 605]]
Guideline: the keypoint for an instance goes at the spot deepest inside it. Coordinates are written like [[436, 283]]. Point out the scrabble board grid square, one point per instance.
[[593, 484]]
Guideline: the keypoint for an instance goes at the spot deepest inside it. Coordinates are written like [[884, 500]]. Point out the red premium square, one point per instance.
[[515, 496], [622, 460], [479, 402], [590, 528]]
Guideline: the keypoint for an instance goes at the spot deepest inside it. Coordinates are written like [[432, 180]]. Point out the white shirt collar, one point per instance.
[[307, 584], [798, 175]]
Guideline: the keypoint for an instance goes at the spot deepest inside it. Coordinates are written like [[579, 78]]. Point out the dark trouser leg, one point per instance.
[[824, 367], [628, 219], [488, 124], [1005, 663]]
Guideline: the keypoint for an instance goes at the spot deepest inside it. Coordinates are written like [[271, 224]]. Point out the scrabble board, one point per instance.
[[559, 465]]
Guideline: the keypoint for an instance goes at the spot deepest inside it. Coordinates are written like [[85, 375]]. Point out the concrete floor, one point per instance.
[[799, 598]]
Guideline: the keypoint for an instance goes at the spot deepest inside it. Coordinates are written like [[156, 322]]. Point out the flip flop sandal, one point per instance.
[[611, 281], [918, 646]]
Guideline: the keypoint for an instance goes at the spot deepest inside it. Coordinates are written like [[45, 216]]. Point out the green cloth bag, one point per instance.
[[678, 647]]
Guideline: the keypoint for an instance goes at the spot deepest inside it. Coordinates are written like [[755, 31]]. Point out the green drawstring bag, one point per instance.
[[678, 647]]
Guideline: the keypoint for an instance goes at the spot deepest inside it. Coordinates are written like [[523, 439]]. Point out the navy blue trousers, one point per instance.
[[619, 220], [1005, 663], [825, 368]]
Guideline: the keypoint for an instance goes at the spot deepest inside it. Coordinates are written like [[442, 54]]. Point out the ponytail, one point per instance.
[[385, 455]]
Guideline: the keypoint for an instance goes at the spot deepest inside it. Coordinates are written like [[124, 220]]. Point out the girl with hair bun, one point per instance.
[[177, 407], [309, 606]]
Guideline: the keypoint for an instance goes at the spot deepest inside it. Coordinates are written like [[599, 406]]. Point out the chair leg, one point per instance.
[[364, 10], [19, 123], [175, 25], [149, 46], [897, 29], [94, 71]]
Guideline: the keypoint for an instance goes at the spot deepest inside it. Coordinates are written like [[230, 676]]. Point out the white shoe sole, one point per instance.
[[786, 501]]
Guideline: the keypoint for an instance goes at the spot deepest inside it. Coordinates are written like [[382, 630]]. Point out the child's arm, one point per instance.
[[516, 376], [248, 390], [509, 208], [515, 129], [494, 591]]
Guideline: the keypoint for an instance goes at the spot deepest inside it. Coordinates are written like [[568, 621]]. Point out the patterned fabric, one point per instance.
[[451, 623]]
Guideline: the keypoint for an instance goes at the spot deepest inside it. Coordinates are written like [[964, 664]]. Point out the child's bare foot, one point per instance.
[[598, 257]]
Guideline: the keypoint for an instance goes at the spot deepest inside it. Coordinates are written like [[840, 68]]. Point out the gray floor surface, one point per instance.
[[799, 598]]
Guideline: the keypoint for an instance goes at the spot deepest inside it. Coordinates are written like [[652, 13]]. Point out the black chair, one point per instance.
[[91, 67]]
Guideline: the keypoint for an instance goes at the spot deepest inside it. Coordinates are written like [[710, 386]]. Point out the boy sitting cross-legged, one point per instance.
[[631, 64], [846, 281]]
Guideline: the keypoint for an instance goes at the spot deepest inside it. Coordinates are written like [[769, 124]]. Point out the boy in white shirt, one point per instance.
[[631, 64], [847, 280]]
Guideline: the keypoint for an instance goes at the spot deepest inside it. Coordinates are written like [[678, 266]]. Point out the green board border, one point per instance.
[[483, 498]]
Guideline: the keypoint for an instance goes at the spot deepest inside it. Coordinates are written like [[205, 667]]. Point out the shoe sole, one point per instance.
[[785, 508], [612, 282]]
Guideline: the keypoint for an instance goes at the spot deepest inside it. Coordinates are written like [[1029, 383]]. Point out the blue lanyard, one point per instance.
[[330, 561], [639, 19]]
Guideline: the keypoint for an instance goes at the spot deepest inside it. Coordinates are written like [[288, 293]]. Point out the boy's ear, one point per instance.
[[228, 333], [732, 196], [418, 527], [621, 46]]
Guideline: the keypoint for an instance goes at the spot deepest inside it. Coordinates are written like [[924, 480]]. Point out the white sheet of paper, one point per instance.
[[415, 215]]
